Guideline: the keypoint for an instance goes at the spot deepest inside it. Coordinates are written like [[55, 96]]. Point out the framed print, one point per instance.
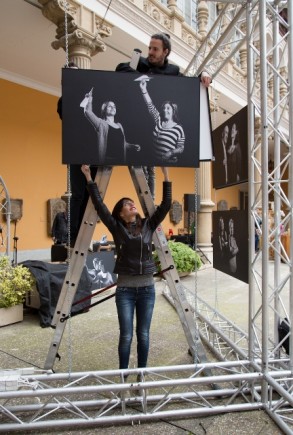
[[230, 141], [100, 266], [112, 118], [230, 243]]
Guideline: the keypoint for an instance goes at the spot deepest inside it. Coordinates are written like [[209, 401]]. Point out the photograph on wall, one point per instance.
[[230, 141], [100, 266], [112, 118], [230, 243]]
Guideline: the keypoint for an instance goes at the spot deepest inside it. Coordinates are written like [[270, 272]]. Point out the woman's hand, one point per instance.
[[165, 173], [143, 86], [85, 169], [169, 157], [137, 147]]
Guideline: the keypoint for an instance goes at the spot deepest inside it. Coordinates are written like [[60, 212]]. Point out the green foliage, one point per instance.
[[15, 282], [184, 257]]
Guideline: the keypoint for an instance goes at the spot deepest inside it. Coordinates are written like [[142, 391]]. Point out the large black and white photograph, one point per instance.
[[231, 151], [230, 243], [112, 118], [100, 266]]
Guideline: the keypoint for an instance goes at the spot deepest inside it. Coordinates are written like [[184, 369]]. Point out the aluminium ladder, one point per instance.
[[78, 258]]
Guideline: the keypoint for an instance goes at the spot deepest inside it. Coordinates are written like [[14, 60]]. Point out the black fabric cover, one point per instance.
[[284, 330], [49, 280]]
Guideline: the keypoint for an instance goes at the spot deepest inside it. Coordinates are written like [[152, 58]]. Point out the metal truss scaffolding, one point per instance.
[[255, 373]]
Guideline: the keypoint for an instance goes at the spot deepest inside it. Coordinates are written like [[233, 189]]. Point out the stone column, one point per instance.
[[204, 217], [283, 86], [85, 30], [172, 4], [243, 52], [202, 16]]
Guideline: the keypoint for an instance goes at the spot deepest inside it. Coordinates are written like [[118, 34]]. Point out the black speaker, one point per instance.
[[58, 253], [191, 201]]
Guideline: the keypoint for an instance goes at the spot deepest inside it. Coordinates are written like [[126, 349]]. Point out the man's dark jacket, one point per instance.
[[144, 66]]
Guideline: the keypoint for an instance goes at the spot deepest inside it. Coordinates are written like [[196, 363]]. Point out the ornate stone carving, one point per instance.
[[156, 14], [84, 38], [176, 212], [189, 38]]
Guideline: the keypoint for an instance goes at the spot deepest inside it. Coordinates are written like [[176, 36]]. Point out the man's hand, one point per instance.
[[205, 79]]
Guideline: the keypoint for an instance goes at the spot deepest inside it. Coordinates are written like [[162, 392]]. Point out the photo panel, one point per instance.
[[230, 141], [146, 126], [230, 243], [100, 266]]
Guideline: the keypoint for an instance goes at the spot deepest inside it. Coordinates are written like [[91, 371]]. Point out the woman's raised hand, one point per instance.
[[143, 86], [165, 173], [85, 169]]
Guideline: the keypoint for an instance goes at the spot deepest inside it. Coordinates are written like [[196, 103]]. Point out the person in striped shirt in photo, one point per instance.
[[168, 134]]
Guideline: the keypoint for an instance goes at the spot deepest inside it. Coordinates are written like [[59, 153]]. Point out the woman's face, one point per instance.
[[111, 109], [231, 226], [221, 224], [128, 211], [168, 112], [233, 130]]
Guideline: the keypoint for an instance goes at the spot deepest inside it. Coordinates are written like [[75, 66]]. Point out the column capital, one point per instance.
[[85, 30]]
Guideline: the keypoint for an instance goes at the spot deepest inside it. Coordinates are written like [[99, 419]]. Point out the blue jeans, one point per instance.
[[142, 300]]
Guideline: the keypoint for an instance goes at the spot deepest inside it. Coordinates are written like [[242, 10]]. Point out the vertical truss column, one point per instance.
[[267, 49], [290, 104]]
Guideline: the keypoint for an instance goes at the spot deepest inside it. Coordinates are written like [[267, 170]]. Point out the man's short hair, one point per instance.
[[165, 38]]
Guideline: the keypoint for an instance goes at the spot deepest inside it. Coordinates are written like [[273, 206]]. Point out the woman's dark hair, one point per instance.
[[175, 110], [165, 38], [116, 215]]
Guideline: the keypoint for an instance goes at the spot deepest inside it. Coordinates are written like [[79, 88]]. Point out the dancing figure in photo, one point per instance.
[[168, 135], [234, 156], [111, 141], [225, 135], [233, 248]]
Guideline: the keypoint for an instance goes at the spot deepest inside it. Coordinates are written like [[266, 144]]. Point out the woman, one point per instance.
[[223, 239], [134, 265], [112, 144], [234, 156], [233, 248], [169, 138]]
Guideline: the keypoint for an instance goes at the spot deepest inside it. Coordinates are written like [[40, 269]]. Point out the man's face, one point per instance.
[[225, 134], [157, 54]]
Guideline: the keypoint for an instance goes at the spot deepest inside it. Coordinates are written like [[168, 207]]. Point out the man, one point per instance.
[[157, 63], [79, 193], [225, 134]]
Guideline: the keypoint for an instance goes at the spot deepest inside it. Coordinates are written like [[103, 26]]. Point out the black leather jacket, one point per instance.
[[144, 66], [134, 252]]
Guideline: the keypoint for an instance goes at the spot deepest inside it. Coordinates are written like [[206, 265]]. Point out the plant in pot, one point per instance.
[[186, 260], [15, 282]]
